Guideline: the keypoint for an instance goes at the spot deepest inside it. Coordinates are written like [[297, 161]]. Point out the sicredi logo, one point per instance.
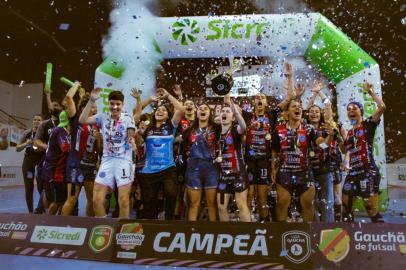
[[59, 235], [187, 30]]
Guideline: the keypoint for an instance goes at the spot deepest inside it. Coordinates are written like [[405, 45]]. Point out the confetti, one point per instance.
[[64, 26]]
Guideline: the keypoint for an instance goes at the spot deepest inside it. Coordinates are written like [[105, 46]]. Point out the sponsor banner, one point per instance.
[[14, 229], [57, 236], [350, 246], [208, 244]]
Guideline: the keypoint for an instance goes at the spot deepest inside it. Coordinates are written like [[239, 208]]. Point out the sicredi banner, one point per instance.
[[57, 236], [276, 36]]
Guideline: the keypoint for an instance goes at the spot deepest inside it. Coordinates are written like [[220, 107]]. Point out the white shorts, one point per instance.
[[114, 172]]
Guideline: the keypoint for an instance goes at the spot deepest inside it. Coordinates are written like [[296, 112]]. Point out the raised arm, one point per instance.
[[49, 100], [146, 102], [178, 107], [328, 108], [72, 91], [178, 92], [289, 85], [84, 116], [135, 93], [238, 116], [379, 102], [71, 107]]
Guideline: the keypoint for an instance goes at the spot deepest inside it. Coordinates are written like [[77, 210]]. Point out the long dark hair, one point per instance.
[[321, 121], [168, 109], [195, 124]]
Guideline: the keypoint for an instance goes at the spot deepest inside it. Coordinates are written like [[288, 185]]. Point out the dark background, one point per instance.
[[24, 50]]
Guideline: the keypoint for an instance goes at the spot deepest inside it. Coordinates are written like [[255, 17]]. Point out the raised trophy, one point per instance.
[[222, 82]]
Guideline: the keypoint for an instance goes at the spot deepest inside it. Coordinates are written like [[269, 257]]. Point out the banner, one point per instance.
[[57, 237], [206, 244], [214, 245], [359, 245]]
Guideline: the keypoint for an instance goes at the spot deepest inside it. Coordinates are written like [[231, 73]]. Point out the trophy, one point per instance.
[[222, 82]]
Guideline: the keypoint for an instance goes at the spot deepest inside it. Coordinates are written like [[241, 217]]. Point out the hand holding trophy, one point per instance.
[[222, 83]]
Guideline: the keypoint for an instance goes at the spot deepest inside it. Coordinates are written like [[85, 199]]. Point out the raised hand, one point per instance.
[[299, 89], [317, 86], [95, 94], [227, 99], [136, 93], [177, 90], [82, 92], [162, 93], [288, 70], [369, 87]]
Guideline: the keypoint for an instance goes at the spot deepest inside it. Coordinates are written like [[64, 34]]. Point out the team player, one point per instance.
[[116, 168], [53, 172], [187, 120], [319, 157], [258, 145], [159, 169], [363, 177], [31, 159], [200, 142], [233, 175], [41, 143], [81, 168], [291, 145]]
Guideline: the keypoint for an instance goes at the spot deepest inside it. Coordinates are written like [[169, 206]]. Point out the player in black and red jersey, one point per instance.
[[233, 177], [260, 124], [291, 145], [363, 177]]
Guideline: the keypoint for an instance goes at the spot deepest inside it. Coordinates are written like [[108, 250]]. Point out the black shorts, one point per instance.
[[337, 176], [77, 175], [364, 185], [258, 171], [232, 182], [298, 181], [55, 192]]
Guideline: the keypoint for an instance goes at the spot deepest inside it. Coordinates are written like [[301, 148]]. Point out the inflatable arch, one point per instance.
[[311, 36]]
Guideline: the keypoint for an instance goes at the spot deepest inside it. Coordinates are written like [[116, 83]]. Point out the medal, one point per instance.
[[311, 153], [268, 137]]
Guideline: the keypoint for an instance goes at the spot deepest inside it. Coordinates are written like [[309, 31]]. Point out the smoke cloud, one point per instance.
[[130, 42]]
